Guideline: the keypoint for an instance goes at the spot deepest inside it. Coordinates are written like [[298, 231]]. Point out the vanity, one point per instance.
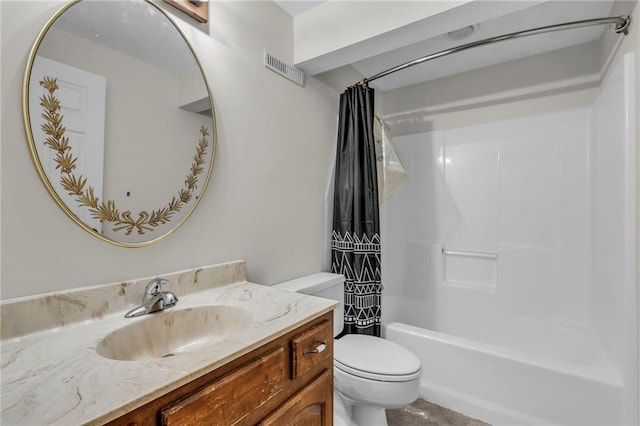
[[276, 384], [230, 352]]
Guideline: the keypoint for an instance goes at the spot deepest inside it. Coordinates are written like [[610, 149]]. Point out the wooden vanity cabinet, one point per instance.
[[288, 381]]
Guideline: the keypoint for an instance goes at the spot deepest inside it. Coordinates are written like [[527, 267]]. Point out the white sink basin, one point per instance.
[[173, 331]]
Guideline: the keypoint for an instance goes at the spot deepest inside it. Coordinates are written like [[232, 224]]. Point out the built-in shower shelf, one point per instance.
[[470, 269], [477, 254]]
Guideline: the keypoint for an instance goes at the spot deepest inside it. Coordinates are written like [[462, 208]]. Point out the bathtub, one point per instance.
[[502, 386]]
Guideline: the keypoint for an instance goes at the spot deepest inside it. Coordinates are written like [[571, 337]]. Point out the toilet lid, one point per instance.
[[375, 358]]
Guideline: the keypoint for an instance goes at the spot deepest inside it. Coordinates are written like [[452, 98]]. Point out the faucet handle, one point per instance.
[[153, 286]]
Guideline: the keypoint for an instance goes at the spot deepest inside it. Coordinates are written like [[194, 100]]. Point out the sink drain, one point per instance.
[[167, 355]]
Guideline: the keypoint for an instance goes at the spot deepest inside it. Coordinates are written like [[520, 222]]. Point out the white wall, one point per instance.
[[265, 200]]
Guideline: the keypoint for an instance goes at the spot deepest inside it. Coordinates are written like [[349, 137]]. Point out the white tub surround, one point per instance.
[[51, 372], [509, 262]]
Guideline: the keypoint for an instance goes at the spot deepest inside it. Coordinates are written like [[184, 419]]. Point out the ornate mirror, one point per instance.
[[119, 119]]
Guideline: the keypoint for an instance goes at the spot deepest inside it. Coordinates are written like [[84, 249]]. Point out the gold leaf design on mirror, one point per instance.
[[77, 185]]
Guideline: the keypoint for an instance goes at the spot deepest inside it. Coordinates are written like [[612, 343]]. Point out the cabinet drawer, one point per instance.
[[310, 348], [227, 400]]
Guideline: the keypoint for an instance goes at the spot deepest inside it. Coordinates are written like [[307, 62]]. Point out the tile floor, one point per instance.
[[423, 413]]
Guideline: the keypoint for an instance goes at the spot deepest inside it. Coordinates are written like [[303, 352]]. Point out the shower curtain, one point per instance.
[[355, 241]]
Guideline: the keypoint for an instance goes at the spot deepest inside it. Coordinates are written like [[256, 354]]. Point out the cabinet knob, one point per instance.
[[321, 347]]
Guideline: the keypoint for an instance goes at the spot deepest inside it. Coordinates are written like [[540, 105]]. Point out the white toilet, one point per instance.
[[371, 374]]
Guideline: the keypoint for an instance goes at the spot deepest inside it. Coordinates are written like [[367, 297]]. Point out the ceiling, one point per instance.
[[537, 15]]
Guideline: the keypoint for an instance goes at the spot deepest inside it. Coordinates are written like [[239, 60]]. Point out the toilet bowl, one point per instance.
[[370, 374]]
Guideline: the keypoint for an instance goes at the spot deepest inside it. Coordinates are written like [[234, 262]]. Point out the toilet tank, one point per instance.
[[321, 284]]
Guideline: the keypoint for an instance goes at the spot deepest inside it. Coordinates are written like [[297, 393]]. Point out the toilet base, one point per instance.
[[341, 411], [369, 415], [349, 413]]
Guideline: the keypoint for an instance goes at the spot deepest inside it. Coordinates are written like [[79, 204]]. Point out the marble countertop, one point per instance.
[[55, 376]]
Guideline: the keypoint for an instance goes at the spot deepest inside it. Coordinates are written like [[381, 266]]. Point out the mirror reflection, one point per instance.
[[119, 119]]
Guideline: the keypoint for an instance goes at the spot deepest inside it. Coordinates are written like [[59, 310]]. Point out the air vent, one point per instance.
[[287, 71]]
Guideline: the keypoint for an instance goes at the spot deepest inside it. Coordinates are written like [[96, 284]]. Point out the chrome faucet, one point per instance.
[[153, 299]]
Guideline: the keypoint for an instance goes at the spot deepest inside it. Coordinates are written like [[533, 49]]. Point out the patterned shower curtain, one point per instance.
[[355, 244]]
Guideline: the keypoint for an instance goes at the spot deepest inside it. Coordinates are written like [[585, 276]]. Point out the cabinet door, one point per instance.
[[311, 406]]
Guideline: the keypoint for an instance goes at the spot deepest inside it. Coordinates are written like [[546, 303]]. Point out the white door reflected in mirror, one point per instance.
[[82, 98]]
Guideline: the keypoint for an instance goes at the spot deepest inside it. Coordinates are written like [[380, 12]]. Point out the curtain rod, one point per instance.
[[622, 26]]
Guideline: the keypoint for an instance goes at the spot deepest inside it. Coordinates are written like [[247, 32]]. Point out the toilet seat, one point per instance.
[[375, 358]]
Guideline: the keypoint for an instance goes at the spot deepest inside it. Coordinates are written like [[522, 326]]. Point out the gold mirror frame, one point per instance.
[[107, 211]]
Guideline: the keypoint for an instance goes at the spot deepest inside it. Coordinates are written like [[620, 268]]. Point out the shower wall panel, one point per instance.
[[613, 164], [470, 216], [517, 188]]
